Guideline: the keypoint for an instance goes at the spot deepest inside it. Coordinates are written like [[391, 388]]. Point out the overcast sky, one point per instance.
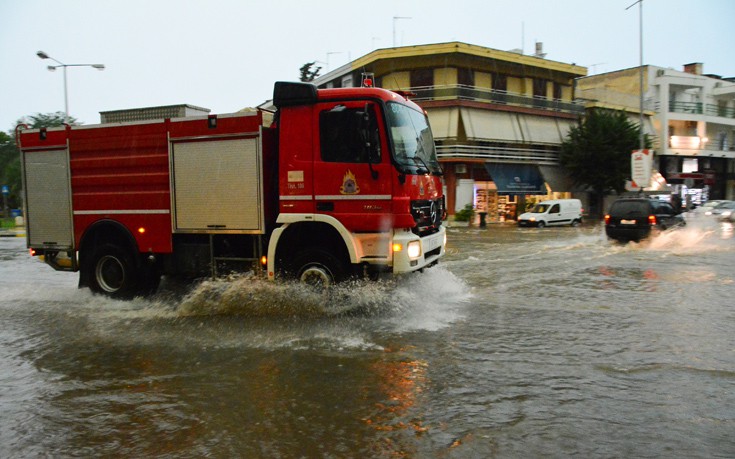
[[225, 55]]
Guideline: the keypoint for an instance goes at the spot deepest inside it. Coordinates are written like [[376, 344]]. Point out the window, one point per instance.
[[664, 208], [465, 77], [347, 136], [539, 87], [422, 77], [558, 93], [500, 82], [555, 209]]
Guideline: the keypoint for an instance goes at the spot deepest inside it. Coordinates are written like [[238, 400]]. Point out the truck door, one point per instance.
[[352, 167], [555, 214]]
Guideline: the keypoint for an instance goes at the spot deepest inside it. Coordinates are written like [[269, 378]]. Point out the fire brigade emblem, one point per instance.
[[349, 184]]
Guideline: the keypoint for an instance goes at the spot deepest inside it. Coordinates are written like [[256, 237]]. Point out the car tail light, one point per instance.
[[607, 219], [652, 219]]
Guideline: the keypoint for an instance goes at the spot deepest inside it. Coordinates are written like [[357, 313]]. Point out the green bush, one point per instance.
[[465, 214]]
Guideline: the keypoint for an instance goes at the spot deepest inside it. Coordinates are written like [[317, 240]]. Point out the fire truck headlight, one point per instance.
[[414, 249]]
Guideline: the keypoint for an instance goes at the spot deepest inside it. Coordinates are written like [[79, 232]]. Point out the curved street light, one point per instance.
[[52, 68]]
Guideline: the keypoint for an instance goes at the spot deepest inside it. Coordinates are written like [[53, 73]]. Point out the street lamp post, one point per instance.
[[52, 68], [640, 68]]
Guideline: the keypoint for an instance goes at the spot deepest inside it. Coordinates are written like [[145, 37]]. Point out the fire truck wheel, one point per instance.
[[319, 268], [112, 272]]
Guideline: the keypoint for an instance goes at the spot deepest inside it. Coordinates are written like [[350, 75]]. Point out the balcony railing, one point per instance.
[[473, 93], [698, 108], [530, 155]]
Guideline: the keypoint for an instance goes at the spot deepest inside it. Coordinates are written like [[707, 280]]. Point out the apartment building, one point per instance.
[[691, 116], [498, 117]]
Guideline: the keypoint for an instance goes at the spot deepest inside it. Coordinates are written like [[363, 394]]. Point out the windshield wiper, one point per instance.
[[421, 161]]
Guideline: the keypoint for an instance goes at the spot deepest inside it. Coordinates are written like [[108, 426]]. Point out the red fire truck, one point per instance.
[[343, 183]]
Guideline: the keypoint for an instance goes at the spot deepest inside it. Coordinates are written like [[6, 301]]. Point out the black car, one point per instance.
[[633, 219]]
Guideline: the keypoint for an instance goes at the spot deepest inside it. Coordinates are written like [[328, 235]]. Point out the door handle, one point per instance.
[[325, 206]]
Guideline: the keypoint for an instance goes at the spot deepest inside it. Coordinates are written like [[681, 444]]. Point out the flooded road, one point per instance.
[[522, 343]]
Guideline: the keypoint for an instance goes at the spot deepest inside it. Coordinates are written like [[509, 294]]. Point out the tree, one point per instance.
[[9, 169], [46, 120], [10, 156], [596, 152], [307, 74]]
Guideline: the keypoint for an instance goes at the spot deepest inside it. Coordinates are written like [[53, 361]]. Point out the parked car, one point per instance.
[[724, 211], [634, 219], [704, 209], [553, 213]]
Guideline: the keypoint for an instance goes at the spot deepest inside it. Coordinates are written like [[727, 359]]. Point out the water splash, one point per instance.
[[429, 295], [695, 237]]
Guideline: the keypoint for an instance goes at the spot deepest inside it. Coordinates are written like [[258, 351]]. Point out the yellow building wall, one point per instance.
[[528, 86], [397, 80], [483, 80], [445, 76], [515, 85], [624, 81], [566, 93]]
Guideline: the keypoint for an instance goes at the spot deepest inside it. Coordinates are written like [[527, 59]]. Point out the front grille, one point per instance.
[[431, 253], [428, 215]]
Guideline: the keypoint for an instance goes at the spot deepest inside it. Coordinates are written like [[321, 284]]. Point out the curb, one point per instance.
[[12, 233]]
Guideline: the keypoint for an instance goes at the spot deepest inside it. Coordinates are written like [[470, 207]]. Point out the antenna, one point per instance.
[[329, 53], [395, 18], [523, 37]]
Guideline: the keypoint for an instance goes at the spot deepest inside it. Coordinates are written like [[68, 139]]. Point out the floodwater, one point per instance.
[[521, 343]]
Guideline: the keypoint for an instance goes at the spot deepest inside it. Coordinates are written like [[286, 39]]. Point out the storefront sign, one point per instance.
[[516, 178], [641, 163]]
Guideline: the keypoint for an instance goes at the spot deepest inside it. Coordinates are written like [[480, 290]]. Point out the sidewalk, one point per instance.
[[19, 231]]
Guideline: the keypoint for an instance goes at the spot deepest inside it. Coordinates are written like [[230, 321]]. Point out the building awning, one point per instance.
[[556, 178], [516, 178], [509, 127], [444, 122], [541, 129], [491, 126]]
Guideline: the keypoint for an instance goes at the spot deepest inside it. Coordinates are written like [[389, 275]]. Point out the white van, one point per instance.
[[553, 213]]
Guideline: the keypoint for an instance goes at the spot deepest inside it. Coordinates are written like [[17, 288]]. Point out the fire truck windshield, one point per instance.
[[412, 140]]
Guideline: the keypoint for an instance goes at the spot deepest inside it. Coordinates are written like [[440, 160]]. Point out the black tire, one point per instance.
[[319, 268], [541, 224], [575, 223], [112, 272]]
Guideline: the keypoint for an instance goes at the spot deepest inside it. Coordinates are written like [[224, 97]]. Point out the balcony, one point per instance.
[[698, 108], [473, 93], [699, 146], [497, 153]]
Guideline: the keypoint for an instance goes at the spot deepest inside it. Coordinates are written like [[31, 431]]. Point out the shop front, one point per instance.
[[697, 180], [499, 192]]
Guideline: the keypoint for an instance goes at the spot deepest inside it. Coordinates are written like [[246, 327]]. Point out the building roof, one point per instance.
[[382, 60]]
